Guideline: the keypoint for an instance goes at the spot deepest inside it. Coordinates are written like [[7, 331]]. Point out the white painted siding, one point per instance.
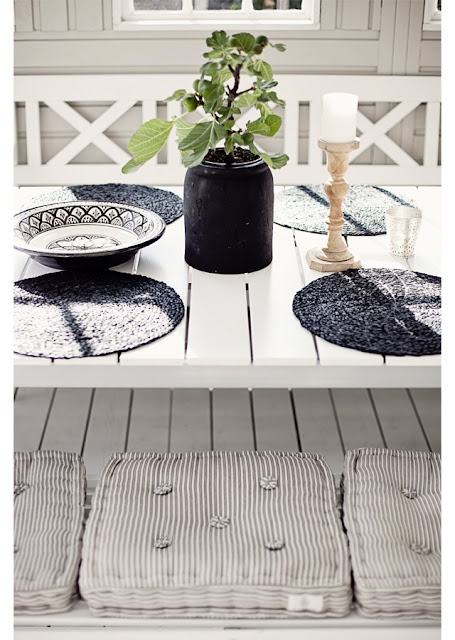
[[356, 37]]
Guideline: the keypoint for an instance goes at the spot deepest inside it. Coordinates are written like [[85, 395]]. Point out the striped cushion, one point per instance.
[[49, 496], [231, 534], [392, 514]]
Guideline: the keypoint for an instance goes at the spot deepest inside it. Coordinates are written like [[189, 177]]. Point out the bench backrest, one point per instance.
[[398, 123]]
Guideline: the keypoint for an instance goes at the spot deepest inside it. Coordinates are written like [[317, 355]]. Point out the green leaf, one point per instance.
[[247, 99], [267, 126], [229, 145], [274, 98], [245, 41], [279, 46], [264, 109], [218, 39], [274, 160], [211, 96], [177, 95], [132, 166], [263, 69], [195, 158], [202, 135], [149, 139], [182, 129]]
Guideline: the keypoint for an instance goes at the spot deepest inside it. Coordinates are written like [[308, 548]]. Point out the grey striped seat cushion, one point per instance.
[[392, 514], [217, 534], [49, 497]]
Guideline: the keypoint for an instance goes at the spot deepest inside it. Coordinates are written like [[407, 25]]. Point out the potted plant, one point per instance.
[[228, 192]]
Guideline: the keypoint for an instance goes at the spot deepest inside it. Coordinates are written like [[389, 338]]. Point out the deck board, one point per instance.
[[274, 420], [31, 411], [399, 423], [149, 420], [67, 422], [356, 418], [107, 429], [427, 403], [318, 427], [190, 420], [232, 420]]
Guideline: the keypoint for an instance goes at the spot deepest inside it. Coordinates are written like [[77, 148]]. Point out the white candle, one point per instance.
[[339, 116]]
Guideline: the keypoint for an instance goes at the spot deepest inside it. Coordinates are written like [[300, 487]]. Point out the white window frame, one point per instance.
[[125, 18], [431, 16]]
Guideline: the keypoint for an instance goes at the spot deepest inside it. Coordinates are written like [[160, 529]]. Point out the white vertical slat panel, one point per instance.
[[89, 15], [355, 15], [399, 422], [329, 354], [174, 158], [431, 144], [33, 133], [54, 15], [164, 261], [23, 15], [291, 128], [218, 321], [277, 336], [315, 156]]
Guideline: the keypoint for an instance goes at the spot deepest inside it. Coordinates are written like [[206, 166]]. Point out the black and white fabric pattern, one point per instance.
[[166, 204], [79, 314], [49, 497], [216, 534], [392, 312], [306, 208], [392, 513]]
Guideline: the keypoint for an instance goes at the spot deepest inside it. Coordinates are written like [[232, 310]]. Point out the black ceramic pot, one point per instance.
[[228, 212]]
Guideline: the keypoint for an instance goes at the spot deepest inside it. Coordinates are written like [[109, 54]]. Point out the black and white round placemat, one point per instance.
[[306, 208], [392, 312], [79, 314], [166, 204]]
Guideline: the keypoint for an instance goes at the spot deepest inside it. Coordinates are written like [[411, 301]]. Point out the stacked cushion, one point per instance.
[[392, 514], [230, 534], [49, 496]]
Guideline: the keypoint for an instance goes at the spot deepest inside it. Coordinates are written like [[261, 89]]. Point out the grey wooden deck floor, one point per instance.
[[98, 422]]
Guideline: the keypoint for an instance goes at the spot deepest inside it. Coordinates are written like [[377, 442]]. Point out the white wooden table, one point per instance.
[[239, 330]]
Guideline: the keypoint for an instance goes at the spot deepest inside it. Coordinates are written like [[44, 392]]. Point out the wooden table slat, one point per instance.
[[218, 331], [277, 335]]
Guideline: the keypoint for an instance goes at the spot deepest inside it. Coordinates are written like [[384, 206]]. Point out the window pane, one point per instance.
[[157, 5], [281, 5], [214, 5]]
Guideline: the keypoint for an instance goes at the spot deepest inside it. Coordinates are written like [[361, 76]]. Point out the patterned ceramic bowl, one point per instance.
[[85, 234]]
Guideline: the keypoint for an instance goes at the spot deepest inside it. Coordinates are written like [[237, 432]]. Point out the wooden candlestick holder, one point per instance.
[[335, 255]]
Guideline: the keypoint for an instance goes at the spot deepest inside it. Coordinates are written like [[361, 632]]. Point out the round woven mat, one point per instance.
[[166, 204], [79, 314], [392, 312], [306, 208]]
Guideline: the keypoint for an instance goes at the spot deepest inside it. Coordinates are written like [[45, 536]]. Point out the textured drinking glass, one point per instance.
[[402, 224]]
